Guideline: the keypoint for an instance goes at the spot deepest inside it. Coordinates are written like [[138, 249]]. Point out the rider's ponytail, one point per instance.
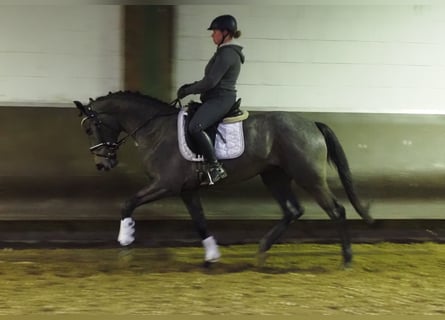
[[237, 34]]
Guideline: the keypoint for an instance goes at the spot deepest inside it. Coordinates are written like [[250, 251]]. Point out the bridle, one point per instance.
[[113, 147]]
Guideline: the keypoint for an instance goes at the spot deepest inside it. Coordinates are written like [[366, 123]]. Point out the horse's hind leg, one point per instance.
[[279, 184], [337, 213]]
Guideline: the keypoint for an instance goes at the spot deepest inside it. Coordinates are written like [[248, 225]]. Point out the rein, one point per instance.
[[174, 104]]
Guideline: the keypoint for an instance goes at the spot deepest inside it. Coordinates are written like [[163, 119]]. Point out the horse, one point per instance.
[[281, 147]]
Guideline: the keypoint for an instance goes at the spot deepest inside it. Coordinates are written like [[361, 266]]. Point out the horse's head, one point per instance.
[[103, 131]]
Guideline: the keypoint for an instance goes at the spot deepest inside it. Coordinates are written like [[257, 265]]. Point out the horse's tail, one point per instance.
[[337, 156]]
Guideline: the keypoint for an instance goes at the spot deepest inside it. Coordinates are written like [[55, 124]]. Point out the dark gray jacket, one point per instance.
[[220, 74]]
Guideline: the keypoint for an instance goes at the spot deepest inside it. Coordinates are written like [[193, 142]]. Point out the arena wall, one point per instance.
[[327, 58], [53, 54], [374, 74]]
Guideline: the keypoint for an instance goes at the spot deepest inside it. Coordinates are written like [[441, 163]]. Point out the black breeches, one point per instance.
[[210, 112]]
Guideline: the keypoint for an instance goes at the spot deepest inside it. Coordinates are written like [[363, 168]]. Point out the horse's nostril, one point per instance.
[[99, 166]]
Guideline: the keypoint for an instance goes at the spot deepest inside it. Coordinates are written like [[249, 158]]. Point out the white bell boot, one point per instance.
[[126, 231], [212, 253]]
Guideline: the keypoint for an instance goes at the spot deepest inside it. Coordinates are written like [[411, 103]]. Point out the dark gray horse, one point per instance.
[[280, 146]]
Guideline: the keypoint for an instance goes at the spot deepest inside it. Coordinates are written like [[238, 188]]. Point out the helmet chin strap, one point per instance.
[[223, 38]]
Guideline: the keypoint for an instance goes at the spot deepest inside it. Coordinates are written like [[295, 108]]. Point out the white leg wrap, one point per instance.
[[126, 232], [212, 253]]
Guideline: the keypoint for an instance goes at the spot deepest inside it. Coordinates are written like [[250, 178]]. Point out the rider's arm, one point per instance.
[[223, 60]]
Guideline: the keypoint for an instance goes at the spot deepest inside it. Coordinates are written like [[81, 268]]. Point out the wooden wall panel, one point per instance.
[[148, 43]]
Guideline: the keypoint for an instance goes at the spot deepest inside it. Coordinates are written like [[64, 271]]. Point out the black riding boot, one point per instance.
[[216, 171]]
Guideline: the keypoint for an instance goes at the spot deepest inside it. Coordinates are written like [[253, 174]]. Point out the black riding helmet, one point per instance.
[[224, 22]]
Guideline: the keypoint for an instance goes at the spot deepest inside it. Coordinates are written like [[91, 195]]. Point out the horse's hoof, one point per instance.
[[263, 246], [261, 258], [208, 264], [125, 255]]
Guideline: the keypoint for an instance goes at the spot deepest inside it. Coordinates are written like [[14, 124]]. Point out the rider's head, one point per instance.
[[223, 27]]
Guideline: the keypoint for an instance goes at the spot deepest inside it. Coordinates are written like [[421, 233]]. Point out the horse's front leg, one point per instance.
[[193, 203], [127, 226]]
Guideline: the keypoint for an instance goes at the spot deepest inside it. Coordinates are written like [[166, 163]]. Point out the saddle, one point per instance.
[[226, 135], [234, 115]]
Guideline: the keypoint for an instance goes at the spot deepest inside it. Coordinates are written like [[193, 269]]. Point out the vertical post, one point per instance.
[[148, 49]]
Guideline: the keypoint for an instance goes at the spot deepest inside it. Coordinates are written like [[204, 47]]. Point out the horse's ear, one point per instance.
[[80, 106]]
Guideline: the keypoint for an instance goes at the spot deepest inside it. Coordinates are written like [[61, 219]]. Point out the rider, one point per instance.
[[217, 89]]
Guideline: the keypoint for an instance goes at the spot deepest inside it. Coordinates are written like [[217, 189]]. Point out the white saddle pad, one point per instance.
[[229, 142]]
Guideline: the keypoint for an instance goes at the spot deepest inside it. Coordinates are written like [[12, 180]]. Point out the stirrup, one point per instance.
[[215, 173]]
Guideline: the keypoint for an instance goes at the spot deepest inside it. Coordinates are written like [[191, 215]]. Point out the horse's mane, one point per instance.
[[135, 96]]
